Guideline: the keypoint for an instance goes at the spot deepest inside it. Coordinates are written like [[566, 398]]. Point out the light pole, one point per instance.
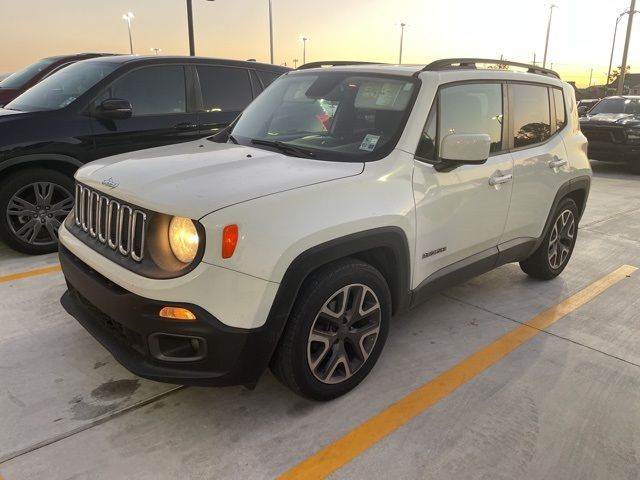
[[192, 46], [295, 63], [304, 49], [402, 25], [546, 44], [127, 17], [613, 46], [623, 70], [270, 32]]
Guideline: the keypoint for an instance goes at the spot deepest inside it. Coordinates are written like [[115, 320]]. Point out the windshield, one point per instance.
[[18, 79], [617, 105], [329, 115], [62, 88]]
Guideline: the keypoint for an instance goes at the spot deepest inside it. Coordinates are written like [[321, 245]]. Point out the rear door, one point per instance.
[[225, 92], [538, 115], [161, 111]]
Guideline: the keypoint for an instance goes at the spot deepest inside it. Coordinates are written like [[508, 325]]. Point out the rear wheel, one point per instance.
[[336, 331], [553, 254], [33, 204]]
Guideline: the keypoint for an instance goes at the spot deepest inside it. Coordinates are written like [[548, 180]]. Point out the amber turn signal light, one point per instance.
[[177, 313], [229, 240]]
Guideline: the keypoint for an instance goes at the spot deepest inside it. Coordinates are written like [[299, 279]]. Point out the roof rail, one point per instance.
[[334, 63], [470, 63]]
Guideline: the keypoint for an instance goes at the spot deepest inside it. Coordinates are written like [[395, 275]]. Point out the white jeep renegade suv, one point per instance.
[[340, 197]]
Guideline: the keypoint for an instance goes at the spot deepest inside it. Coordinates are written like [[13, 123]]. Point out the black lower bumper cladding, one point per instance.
[[129, 326]]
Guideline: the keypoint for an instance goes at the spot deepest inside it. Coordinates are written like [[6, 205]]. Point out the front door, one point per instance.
[[461, 214], [161, 113]]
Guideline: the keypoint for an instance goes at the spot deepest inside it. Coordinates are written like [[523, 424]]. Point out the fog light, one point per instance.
[[177, 313]]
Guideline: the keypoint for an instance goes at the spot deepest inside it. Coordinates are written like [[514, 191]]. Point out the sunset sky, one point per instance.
[[338, 29]]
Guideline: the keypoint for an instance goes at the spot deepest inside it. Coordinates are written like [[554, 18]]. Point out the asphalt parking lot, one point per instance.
[[463, 389]]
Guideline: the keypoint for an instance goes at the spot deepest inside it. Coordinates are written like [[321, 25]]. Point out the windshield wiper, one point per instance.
[[284, 147], [233, 139]]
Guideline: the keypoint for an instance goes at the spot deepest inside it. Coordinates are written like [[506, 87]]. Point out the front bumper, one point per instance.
[[614, 152], [129, 327]]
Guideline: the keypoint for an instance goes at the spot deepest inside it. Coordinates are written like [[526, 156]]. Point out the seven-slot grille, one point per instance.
[[119, 226]]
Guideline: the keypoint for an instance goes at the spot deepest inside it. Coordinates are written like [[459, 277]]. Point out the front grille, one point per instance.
[[604, 134], [108, 221]]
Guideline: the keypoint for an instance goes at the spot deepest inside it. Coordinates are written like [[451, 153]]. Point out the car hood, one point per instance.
[[196, 178], [617, 119]]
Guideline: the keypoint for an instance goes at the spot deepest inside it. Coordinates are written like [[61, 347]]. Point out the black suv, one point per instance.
[[613, 130], [101, 107]]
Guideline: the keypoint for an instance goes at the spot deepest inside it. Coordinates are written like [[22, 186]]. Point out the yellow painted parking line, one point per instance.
[[346, 448], [30, 273]]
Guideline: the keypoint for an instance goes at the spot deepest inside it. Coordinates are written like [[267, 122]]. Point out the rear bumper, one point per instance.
[[129, 327]]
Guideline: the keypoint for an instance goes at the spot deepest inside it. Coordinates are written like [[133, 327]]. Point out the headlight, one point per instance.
[[183, 239]]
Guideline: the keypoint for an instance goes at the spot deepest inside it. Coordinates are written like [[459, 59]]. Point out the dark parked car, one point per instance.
[[613, 130], [16, 83], [585, 105], [101, 107]]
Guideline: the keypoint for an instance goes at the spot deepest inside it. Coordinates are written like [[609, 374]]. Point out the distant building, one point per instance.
[[635, 90]]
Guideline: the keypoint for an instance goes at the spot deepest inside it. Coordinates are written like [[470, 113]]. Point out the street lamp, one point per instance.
[[192, 48], [402, 25], [127, 17], [546, 44], [623, 69], [304, 48]]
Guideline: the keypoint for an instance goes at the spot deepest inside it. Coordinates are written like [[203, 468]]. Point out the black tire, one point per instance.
[[292, 361], [18, 225], [542, 264]]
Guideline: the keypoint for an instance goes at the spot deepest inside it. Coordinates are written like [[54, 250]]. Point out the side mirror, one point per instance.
[[465, 148], [115, 108], [582, 110]]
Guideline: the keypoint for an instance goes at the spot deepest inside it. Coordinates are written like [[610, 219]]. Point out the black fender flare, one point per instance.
[[392, 239], [578, 184]]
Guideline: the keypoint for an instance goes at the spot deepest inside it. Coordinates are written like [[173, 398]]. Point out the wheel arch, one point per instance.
[[578, 190], [61, 163], [385, 248]]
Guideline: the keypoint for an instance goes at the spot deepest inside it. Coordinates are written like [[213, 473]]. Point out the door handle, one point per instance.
[[557, 162], [500, 179], [185, 126]]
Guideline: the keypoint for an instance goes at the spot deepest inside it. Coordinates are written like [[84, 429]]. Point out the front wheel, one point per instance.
[[33, 204], [553, 254], [336, 331]]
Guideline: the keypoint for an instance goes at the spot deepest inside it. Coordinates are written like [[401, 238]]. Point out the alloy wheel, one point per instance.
[[344, 333], [561, 239], [34, 213]]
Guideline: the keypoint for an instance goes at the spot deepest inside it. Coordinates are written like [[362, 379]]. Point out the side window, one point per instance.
[[561, 113], [157, 90], [531, 114], [472, 108], [427, 145], [224, 89], [267, 78]]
